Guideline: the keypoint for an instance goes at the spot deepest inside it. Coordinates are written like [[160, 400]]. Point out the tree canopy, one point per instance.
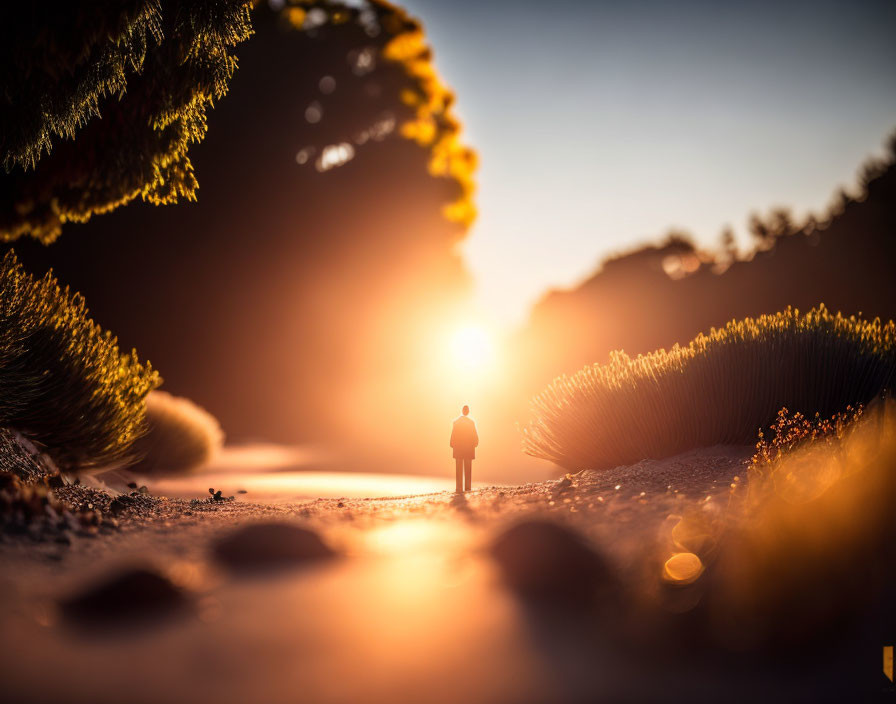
[[100, 102]]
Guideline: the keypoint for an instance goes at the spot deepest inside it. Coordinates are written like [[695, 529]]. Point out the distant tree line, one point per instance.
[[664, 294]]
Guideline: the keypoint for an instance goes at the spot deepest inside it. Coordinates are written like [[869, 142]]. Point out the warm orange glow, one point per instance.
[[262, 483], [472, 348], [405, 538]]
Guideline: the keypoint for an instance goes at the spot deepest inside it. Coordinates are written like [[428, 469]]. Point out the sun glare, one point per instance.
[[472, 348]]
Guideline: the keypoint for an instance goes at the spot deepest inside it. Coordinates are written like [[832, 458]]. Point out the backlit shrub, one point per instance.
[[180, 436], [719, 389], [63, 380]]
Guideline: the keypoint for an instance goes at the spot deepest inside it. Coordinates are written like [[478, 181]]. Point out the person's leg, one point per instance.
[[468, 473], [459, 474]]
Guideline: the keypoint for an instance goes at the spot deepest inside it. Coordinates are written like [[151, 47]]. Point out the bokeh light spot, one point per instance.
[[682, 568], [334, 155], [327, 85], [314, 112]]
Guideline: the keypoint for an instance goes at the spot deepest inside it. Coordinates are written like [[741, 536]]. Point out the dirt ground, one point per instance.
[[416, 604]]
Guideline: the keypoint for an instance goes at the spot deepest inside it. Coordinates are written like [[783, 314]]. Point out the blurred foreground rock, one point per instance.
[[262, 546], [133, 596], [547, 561]]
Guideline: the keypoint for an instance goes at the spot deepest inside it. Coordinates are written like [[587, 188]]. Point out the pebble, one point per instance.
[[261, 546], [118, 505], [547, 561], [129, 596]]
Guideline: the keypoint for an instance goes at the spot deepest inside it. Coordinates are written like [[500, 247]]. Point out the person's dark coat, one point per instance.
[[464, 438]]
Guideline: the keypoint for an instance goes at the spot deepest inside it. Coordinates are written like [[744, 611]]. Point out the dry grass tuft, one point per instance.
[[792, 431], [810, 543], [181, 437]]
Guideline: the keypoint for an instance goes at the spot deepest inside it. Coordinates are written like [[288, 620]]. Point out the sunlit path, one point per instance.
[[292, 486]]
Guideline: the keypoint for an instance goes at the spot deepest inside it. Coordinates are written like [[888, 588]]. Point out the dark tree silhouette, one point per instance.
[[300, 283], [99, 104]]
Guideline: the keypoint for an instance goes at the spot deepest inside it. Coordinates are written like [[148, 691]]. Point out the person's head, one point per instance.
[[465, 410]]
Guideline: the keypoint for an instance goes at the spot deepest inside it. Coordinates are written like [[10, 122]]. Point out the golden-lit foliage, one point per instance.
[[802, 549], [434, 126], [63, 380], [719, 389], [810, 538], [791, 431], [430, 122], [100, 104]]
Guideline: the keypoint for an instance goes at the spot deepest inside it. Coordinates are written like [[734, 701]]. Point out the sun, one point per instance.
[[472, 348]]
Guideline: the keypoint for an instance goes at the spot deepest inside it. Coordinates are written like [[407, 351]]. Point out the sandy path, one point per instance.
[[413, 610]]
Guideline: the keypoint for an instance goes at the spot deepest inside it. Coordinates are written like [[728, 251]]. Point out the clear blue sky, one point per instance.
[[602, 124]]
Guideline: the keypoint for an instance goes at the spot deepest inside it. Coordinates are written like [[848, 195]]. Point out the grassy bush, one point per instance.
[[718, 389], [181, 436], [63, 380]]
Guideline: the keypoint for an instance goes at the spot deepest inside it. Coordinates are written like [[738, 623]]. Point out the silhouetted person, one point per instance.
[[464, 440]]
